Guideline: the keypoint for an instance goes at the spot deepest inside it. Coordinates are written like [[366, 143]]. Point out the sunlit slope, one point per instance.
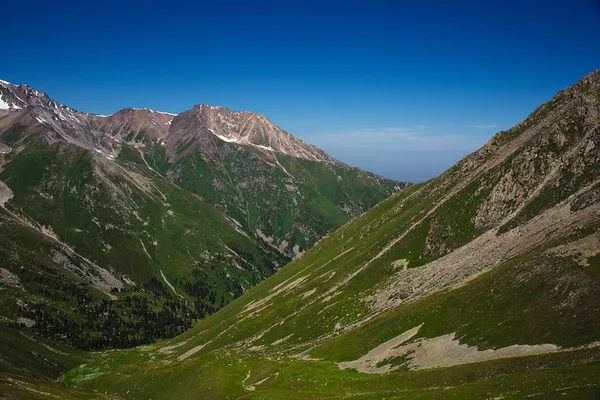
[[482, 282]]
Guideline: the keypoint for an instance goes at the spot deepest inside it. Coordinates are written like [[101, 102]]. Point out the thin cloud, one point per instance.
[[397, 138]]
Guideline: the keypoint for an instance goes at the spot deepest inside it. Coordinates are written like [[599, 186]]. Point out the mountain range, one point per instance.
[[120, 230], [481, 283]]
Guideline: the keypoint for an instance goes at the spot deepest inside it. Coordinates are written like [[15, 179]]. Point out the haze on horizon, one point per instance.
[[403, 89]]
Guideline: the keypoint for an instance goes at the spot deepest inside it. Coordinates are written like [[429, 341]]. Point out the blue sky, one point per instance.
[[402, 88]]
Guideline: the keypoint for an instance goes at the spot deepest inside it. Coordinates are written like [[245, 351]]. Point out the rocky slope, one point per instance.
[[481, 283]]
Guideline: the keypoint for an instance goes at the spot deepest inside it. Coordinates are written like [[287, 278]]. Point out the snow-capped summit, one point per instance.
[[9, 101]]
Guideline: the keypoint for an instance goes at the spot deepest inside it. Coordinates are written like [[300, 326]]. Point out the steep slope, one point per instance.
[[483, 282]]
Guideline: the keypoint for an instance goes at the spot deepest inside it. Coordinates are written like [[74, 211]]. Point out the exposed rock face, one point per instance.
[[5, 193], [141, 126], [254, 129]]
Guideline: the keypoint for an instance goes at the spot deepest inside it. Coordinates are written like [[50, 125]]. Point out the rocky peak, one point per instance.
[[142, 126], [128, 123], [10, 98], [23, 96], [245, 127]]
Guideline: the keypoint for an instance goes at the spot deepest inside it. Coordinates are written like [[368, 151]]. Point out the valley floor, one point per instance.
[[565, 375]]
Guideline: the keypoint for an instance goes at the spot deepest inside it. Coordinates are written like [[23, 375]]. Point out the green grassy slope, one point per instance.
[[29, 361], [98, 253], [517, 305], [293, 205]]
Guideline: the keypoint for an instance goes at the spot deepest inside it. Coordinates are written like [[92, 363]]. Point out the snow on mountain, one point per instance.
[[144, 126]]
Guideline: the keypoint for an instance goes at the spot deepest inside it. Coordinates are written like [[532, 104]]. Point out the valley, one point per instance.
[[480, 283]]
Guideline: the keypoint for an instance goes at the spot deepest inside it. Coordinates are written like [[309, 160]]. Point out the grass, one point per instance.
[[570, 374], [515, 299], [298, 210], [129, 221]]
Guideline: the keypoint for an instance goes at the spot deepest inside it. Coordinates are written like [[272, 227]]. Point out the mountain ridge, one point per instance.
[[107, 242], [217, 154], [214, 115]]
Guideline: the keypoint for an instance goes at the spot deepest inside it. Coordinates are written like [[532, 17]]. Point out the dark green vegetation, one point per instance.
[[137, 226], [126, 218], [301, 210]]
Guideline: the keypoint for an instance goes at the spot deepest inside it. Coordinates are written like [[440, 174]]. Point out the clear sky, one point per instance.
[[402, 88]]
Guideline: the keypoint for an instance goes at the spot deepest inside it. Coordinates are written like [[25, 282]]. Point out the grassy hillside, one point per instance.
[[291, 201], [170, 257], [100, 250], [296, 343]]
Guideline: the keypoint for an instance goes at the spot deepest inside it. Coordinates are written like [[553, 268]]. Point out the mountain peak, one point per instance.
[[244, 127], [151, 126]]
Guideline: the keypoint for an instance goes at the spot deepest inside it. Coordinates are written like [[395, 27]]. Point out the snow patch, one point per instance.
[[226, 139], [263, 147], [239, 141], [4, 105]]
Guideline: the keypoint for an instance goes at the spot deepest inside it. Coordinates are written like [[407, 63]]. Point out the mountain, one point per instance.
[[274, 186], [481, 283], [104, 246]]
